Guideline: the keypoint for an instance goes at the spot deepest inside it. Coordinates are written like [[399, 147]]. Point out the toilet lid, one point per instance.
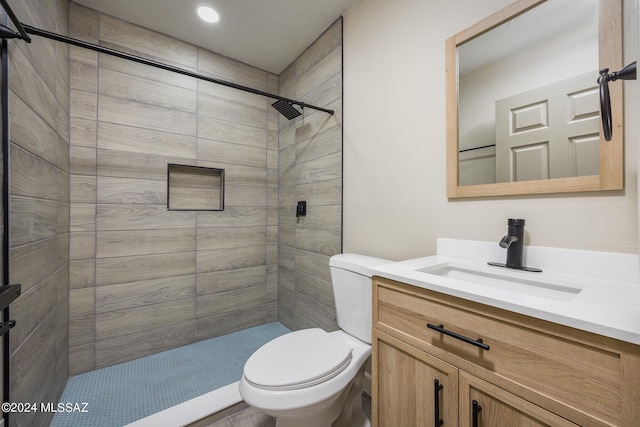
[[297, 360]]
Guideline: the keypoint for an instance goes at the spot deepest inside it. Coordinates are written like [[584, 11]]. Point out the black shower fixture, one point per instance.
[[286, 108], [627, 73]]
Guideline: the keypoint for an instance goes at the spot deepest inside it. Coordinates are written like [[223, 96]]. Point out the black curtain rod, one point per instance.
[[75, 42], [25, 30], [476, 148], [23, 34]]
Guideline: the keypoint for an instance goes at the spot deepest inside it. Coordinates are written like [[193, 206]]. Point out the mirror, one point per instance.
[[522, 100]]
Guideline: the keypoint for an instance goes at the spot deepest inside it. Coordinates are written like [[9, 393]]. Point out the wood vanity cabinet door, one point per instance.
[[404, 388], [497, 407]]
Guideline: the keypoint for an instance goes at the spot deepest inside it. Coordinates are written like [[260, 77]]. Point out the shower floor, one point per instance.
[[121, 394]]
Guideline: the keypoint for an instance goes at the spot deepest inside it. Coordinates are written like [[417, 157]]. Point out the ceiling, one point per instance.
[[267, 34]]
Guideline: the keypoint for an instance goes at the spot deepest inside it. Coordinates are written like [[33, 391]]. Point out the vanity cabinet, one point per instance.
[[413, 388], [519, 370]]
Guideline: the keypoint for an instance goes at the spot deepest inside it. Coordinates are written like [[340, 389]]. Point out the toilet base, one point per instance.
[[345, 411]]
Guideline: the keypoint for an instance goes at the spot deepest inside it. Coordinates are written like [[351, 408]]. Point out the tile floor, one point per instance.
[[251, 417]]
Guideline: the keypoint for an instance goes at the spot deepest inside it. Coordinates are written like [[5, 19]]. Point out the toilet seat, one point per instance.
[[297, 360]]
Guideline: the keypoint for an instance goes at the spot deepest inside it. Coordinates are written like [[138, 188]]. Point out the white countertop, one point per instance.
[[597, 292]]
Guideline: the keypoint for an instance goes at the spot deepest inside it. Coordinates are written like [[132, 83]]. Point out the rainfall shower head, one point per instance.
[[286, 109]]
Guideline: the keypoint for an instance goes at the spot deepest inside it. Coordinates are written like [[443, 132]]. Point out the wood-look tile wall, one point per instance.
[[310, 168], [145, 279], [39, 215]]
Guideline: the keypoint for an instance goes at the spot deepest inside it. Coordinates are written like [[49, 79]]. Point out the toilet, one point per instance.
[[314, 378]]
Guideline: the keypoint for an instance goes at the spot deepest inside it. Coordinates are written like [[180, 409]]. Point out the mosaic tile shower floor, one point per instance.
[[123, 393]]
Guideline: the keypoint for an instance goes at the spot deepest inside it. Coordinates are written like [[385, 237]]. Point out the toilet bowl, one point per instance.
[[314, 378], [288, 379]]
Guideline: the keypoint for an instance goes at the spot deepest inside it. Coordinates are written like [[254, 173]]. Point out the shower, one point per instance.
[[140, 295]]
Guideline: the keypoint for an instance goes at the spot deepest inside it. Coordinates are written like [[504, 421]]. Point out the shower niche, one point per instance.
[[194, 188]]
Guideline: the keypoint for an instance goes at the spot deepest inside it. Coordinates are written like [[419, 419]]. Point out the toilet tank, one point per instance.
[[351, 279]]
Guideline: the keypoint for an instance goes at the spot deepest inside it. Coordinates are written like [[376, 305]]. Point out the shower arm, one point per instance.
[[25, 30]]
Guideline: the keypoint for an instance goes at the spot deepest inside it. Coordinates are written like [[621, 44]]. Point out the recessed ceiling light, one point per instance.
[[207, 13]]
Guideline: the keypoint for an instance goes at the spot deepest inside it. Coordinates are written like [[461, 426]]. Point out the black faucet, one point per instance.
[[514, 243]]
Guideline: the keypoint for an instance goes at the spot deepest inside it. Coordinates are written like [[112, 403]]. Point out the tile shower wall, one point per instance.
[[145, 279], [310, 169], [39, 215]]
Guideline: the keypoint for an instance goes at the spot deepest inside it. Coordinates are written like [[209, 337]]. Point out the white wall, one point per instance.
[[395, 203]]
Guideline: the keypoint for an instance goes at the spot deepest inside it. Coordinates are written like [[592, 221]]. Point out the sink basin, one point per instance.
[[516, 281]]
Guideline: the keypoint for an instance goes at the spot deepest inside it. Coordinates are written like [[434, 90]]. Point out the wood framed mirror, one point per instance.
[[507, 87]]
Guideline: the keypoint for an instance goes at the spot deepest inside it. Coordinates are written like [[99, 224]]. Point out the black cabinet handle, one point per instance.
[[440, 328], [476, 408], [437, 388]]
